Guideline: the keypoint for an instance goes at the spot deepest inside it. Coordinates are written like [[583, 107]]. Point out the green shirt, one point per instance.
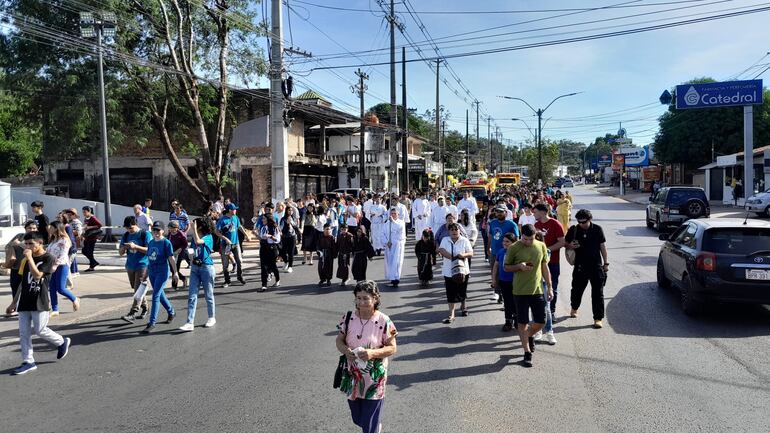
[[527, 283]]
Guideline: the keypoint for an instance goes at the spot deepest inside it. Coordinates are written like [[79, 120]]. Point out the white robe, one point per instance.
[[471, 205], [454, 211], [438, 218], [420, 216], [395, 233], [377, 215], [403, 215]]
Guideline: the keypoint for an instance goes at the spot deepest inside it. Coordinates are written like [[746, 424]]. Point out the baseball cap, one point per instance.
[[172, 224], [500, 208], [231, 206], [158, 225]]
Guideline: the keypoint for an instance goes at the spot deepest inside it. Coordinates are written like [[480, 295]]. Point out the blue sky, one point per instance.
[[622, 76]]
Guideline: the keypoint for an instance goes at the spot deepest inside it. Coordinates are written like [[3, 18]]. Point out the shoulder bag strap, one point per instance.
[[347, 321]]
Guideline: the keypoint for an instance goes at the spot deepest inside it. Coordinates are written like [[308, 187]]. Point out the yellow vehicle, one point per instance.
[[508, 179]]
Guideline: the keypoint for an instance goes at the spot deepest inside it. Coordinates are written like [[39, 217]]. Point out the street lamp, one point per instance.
[[539, 114], [103, 25]]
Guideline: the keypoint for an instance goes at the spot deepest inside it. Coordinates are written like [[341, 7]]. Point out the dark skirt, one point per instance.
[[456, 292], [309, 238], [425, 266], [360, 263]]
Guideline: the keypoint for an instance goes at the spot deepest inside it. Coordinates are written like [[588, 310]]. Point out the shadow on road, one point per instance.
[[648, 310], [404, 381]]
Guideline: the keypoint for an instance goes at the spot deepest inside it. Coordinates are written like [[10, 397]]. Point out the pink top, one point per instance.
[[369, 383], [60, 251]]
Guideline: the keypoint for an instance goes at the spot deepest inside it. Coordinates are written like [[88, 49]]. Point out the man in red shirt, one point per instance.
[[553, 233]]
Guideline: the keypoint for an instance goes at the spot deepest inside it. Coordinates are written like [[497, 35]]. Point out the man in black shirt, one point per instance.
[[41, 219], [33, 302], [587, 240]]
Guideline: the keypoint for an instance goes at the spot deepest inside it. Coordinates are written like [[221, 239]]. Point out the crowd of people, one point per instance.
[[522, 229]]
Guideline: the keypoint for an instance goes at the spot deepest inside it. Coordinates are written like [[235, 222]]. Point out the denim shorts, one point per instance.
[[526, 302]]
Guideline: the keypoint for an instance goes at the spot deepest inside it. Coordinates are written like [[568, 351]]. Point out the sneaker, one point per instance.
[[242, 281], [143, 313], [226, 284], [276, 284], [286, 266], [53, 314], [128, 318], [269, 277], [187, 327], [507, 327], [76, 304], [211, 322], [289, 270], [170, 317], [148, 329], [550, 338], [25, 368], [598, 324], [573, 313], [532, 344], [263, 289], [64, 348], [538, 337], [527, 361], [344, 283], [494, 296]]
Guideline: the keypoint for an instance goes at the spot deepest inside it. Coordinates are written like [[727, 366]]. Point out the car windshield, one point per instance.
[[741, 241], [478, 193], [506, 180], [682, 195]]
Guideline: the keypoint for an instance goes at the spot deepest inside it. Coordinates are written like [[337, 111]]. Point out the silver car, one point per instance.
[[759, 203]]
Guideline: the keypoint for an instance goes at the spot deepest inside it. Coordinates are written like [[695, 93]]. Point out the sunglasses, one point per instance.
[[582, 222]]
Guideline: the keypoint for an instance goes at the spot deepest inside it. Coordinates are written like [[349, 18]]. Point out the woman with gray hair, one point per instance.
[[367, 338]]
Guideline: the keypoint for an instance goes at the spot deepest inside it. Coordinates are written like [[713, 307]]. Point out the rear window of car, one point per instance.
[[742, 241], [682, 195]]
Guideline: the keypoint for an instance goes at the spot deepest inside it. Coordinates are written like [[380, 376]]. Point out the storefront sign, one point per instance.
[[617, 161], [417, 166], [636, 156], [724, 94]]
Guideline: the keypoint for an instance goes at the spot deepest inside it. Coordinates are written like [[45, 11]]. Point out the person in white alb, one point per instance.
[[438, 215], [468, 202], [451, 208], [393, 237], [377, 215], [352, 215], [420, 215], [403, 213]]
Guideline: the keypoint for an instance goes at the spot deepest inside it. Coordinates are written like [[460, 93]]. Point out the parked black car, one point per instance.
[[673, 205], [723, 259]]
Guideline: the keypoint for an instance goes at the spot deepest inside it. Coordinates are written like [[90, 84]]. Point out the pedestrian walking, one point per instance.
[[378, 216], [133, 244], [179, 245], [420, 215], [362, 254], [455, 250], [91, 232], [425, 250], [59, 248], [545, 335], [502, 281], [553, 233], [352, 215], [344, 251], [269, 248], [563, 209], [14, 255], [143, 220], [367, 338], [326, 253], [41, 219], [32, 302], [179, 215], [227, 228], [471, 229], [290, 231], [202, 273], [393, 239], [160, 254], [309, 235], [497, 227], [528, 259], [591, 264]]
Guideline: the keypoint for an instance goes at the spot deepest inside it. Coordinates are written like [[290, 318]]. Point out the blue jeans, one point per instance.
[[158, 280], [366, 414], [555, 271], [548, 315], [200, 276], [58, 284]]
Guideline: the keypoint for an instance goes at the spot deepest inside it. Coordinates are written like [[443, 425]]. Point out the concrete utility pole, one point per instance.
[[278, 148], [467, 145], [393, 111], [489, 139], [438, 123], [361, 90], [405, 120], [476, 102], [442, 144]]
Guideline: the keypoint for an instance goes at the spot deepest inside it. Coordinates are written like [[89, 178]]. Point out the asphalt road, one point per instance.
[[267, 365]]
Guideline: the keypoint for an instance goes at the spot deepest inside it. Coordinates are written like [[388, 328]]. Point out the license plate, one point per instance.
[[674, 212], [757, 274]]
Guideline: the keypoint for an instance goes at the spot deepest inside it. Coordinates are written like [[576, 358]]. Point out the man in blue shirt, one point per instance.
[[497, 229], [133, 245], [227, 229]]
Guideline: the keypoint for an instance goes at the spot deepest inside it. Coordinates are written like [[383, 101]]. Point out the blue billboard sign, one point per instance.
[[605, 160], [714, 95]]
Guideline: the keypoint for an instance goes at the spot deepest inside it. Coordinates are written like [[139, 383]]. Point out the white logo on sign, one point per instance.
[[692, 96]]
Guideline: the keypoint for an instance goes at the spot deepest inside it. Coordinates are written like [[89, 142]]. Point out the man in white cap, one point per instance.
[[393, 237]]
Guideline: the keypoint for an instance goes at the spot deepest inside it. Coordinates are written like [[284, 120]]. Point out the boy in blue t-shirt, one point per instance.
[[498, 228], [160, 255], [133, 245], [503, 282], [227, 229]]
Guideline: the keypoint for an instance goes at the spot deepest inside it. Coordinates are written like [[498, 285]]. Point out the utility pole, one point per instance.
[[442, 144], [489, 139], [467, 146], [476, 102], [438, 122], [540, 144], [393, 112], [361, 90], [278, 149], [405, 116]]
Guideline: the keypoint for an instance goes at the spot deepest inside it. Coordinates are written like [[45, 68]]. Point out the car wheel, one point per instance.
[[663, 282], [649, 223], [695, 208], [690, 305], [767, 212]]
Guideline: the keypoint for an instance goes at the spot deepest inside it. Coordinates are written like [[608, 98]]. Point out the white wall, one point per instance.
[[343, 143]]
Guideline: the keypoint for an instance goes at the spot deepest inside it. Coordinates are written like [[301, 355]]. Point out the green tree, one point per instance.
[[19, 138], [687, 136]]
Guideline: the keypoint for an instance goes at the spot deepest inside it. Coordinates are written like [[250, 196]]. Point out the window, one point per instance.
[[678, 235], [741, 241], [690, 239], [661, 197], [70, 175], [682, 195]]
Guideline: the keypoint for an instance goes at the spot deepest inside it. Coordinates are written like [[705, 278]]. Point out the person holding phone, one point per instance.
[[528, 259], [201, 273], [591, 264]]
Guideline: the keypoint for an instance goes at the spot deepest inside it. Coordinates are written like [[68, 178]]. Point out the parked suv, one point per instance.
[[674, 205]]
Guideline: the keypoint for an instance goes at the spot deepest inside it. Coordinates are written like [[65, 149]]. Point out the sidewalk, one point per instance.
[[644, 197], [105, 290]]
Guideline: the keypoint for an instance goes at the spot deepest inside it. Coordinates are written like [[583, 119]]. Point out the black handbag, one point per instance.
[[343, 362]]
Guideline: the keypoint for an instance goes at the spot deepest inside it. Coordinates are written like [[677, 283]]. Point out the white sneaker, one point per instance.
[[286, 266], [263, 289], [538, 336], [211, 322], [187, 327], [276, 284], [550, 338], [494, 297], [289, 270], [269, 277]]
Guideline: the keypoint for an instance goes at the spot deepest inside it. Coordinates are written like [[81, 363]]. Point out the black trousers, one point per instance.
[[88, 251], [288, 244], [267, 264], [581, 276]]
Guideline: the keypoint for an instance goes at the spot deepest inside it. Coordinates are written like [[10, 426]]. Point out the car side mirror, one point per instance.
[[664, 236]]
